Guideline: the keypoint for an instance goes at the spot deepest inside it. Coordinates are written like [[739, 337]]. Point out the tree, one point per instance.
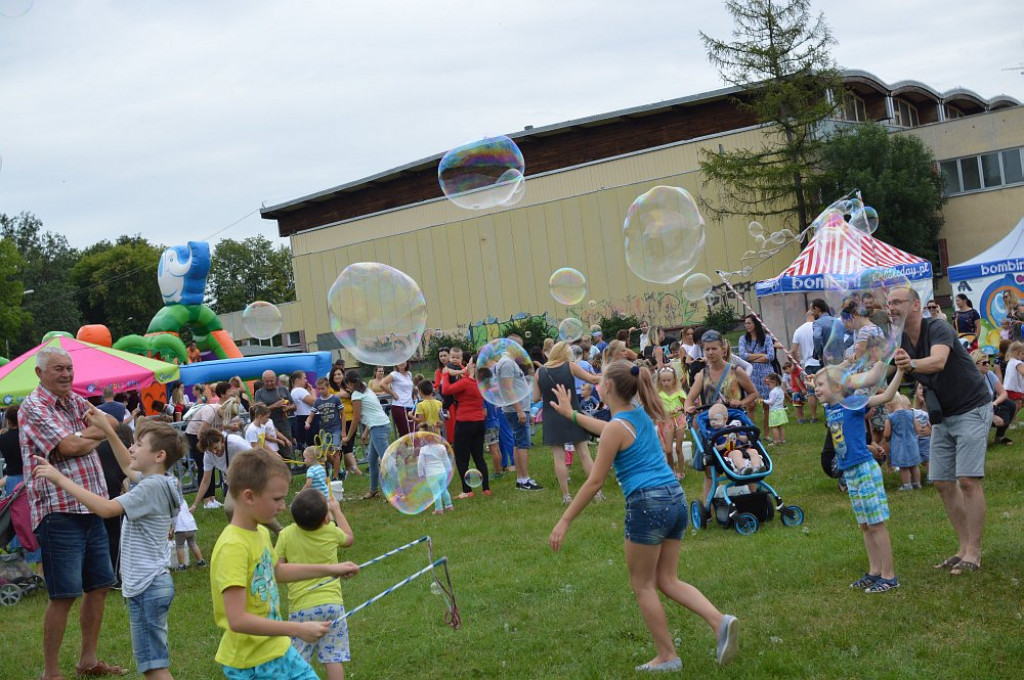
[[117, 284], [250, 270], [12, 316], [896, 176], [47, 262], [780, 58]]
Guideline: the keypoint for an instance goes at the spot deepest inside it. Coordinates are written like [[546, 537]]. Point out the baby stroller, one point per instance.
[[730, 501], [16, 578]]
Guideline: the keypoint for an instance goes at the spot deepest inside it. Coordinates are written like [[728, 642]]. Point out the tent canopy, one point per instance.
[[853, 250], [1005, 257], [95, 368]]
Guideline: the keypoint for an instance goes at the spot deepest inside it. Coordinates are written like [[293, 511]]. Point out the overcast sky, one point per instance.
[[175, 119]]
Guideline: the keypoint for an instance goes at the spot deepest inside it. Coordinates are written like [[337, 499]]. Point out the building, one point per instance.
[[478, 269]]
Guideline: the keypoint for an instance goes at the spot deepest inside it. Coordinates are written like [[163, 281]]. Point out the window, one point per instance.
[[906, 113], [953, 113], [984, 171], [292, 339], [852, 109]]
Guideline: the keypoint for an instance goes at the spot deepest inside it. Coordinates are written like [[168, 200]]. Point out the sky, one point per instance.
[[178, 121]]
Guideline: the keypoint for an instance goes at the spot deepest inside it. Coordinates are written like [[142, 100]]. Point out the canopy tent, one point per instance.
[[836, 250], [986, 276], [95, 368]]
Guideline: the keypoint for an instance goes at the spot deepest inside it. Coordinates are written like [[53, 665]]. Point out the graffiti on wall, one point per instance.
[[663, 309], [482, 332]]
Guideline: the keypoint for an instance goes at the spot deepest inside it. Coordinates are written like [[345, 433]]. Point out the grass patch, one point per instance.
[[529, 613]]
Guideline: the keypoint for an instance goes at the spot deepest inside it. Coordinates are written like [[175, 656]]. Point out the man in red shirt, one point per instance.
[[53, 424]]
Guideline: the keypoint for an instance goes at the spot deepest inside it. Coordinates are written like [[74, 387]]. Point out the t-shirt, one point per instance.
[[401, 383], [115, 409], [301, 407], [507, 369], [372, 413], [849, 435], [803, 337], [964, 321], [318, 475], [329, 410], [430, 411], [149, 509], [433, 461], [319, 546], [776, 399], [672, 402], [1012, 379], [246, 559], [959, 386], [10, 448], [260, 436], [586, 366], [212, 461], [207, 413], [273, 396]]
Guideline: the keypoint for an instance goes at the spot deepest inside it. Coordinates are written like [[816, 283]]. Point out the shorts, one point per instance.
[[490, 436], [147, 615], [350, 445], [958, 445], [867, 493], [332, 647], [183, 537], [76, 554], [798, 398], [777, 417], [291, 666], [520, 431], [656, 515]]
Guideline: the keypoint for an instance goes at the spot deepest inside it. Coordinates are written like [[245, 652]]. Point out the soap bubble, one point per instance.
[[568, 286], [862, 338], [415, 470], [746, 272], [473, 478], [570, 330], [377, 313], [482, 174], [528, 334], [779, 237], [15, 9], [492, 372], [261, 320], [696, 287], [755, 229], [435, 588], [592, 304], [865, 220], [664, 235]]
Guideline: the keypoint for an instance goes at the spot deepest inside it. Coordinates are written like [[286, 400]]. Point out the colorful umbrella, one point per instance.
[[95, 368]]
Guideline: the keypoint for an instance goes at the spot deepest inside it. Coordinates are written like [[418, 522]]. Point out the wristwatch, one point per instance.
[[913, 366]]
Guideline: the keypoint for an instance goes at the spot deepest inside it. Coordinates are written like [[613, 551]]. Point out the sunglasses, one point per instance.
[[933, 307], [983, 363]]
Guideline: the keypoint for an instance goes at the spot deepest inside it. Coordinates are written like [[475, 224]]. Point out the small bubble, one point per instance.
[[677, 642], [435, 588], [611, 562]]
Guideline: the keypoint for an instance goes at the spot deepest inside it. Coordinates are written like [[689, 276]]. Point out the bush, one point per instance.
[[611, 325], [439, 341], [721, 318], [532, 330]]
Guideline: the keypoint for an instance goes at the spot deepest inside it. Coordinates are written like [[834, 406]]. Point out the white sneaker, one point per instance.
[[213, 504], [566, 499]]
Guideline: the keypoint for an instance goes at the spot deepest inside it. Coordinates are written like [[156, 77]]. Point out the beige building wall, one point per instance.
[[473, 266]]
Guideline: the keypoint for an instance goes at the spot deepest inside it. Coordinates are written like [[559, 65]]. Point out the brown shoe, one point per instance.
[[99, 670]]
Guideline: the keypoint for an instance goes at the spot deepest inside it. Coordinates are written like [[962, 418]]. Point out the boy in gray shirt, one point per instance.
[[149, 508]]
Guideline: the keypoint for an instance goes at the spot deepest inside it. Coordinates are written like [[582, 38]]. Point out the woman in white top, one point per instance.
[[398, 384], [217, 455], [366, 409], [303, 400]]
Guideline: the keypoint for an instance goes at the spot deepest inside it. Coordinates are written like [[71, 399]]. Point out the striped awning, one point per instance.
[[841, 249]]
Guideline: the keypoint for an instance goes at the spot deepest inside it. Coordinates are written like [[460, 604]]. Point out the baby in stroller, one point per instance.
[[735, 447]]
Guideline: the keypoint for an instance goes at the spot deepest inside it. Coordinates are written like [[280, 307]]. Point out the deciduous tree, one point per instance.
[[245, 271]]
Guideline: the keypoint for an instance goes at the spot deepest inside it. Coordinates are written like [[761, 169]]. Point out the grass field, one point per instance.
[[529, 613]]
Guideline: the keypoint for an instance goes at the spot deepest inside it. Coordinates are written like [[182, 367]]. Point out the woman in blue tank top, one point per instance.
[[655, 508]]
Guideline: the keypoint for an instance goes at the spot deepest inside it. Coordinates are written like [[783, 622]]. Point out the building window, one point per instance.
[[906, 113], [852, 109], [985, 171], [292, 339], [953, 112]]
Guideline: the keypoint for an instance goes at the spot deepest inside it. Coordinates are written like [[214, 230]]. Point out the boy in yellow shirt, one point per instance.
[[244, 572], [314, 540], [428, 411]]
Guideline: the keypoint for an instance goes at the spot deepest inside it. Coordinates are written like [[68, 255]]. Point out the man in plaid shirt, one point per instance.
[[53, 424]]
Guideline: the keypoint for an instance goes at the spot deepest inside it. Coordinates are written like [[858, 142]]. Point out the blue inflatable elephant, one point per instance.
[[182, 273]]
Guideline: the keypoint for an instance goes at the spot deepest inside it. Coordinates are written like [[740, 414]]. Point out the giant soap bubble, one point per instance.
[[483, 174], [496, 377], [568, 286], [664, 234], [415, 470], [377, 313], [261, 320], [696, 287], [570, 330]]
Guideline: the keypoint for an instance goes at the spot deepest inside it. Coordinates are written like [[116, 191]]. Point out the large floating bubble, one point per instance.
[[377, 313], [483, 174], [473, 478], [865, 220], [498, 380], [696, 287], [570, 330], [415, 470], [261, 320], [664, 234], [568, 286]]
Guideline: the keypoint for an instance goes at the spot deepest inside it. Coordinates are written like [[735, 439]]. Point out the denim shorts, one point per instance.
[[291, 666], [656, 515], [147, 613], [76, 554], [520, 431], [332, 647]]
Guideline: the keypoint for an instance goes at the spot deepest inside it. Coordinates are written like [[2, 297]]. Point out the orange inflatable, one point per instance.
[[96, 333]]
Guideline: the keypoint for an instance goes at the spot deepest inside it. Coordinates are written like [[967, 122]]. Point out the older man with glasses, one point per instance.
[[960, 409]]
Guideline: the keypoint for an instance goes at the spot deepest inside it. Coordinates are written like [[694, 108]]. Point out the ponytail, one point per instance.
[[352, 378], [629, 380]]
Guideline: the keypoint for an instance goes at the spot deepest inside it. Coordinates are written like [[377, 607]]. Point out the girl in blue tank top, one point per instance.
[[656, 511]]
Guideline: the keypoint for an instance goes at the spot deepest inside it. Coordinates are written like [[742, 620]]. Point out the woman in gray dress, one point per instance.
[[563, 436]]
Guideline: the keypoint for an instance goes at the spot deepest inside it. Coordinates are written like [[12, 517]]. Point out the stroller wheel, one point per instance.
[[9, 594], [792, 516], [698, 515], [745, 523]]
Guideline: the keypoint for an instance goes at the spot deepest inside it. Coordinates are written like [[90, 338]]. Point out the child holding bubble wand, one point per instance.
[[629, 443]]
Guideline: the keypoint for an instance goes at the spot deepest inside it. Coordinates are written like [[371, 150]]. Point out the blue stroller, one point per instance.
[[744, 511]]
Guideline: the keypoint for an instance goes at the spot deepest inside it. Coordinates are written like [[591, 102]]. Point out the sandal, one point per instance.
[[369, 494], [464, 496], [948, 563], [963, 566], [100, 669]]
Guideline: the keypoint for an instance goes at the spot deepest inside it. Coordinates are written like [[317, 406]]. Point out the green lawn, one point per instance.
[[529, 613]]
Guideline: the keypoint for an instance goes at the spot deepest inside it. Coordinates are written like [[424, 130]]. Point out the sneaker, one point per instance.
[[728, 642], [906, 487], [450, 508], [865, 581], [675, 664], [201, 563], [917, 486], [882, 585], [529, 485], [180, 567], [523, 485], [213, 504], [566, 499], [497, 475]]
